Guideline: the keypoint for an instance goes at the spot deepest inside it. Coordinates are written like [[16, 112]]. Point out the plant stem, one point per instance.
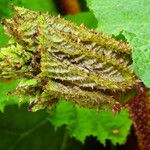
[[64, 140]]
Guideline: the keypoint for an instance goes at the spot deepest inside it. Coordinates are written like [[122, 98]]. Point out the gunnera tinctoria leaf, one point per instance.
[[56, 59]]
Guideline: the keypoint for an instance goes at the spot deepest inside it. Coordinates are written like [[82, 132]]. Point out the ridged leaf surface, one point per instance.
[[62, 60]]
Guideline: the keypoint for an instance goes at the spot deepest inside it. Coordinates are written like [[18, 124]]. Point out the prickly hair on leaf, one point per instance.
[[56, 59]]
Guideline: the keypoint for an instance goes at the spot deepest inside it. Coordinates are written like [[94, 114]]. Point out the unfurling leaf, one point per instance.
[[56, 59]]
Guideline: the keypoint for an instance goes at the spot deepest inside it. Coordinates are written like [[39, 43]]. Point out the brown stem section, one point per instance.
[[71, 7], [139, 108]]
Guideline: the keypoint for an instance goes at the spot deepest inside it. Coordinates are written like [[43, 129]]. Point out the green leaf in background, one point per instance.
[[5, 98], [3, 38], [87, 18], [83, 122], [22, 130], [4, 8], [133, 19], [38, 5]]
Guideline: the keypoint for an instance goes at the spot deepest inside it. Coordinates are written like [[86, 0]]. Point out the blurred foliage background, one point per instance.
[[65, 127]]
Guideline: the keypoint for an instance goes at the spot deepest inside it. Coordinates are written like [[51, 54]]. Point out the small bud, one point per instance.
[[78, 40], [82, 25], [138, 81], [58, 16], [121, 60]]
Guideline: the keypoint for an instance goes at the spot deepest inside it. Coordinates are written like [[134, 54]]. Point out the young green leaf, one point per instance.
[[67, 61], [24, 130], [86, 18]]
